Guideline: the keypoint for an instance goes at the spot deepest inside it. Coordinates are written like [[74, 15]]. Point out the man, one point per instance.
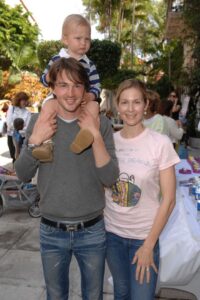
[[72, 186]]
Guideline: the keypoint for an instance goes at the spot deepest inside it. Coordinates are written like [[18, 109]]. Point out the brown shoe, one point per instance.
[[44, 153], [82, 141]]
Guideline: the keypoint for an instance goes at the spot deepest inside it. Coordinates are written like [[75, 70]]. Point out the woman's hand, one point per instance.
[[144, 260], [44, 128]]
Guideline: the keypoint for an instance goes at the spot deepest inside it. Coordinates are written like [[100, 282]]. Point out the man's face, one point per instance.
[[69, 95]]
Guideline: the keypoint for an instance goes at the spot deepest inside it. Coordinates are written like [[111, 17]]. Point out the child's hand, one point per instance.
[[89, 97]]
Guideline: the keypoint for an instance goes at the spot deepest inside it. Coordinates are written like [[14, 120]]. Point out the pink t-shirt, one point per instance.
[[132, 203]]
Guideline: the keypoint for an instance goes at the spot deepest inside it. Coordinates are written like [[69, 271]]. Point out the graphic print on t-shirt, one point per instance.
[[125, 192]]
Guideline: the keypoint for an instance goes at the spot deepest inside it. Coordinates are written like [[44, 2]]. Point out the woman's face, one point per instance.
[[23, 103], [131, 107]]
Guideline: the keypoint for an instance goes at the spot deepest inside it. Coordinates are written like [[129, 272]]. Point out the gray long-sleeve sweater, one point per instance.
[[71, 187]]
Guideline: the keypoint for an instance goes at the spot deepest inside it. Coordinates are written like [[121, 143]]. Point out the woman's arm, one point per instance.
[[144, 256]]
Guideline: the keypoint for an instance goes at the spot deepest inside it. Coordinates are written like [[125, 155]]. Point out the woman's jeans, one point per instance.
[[120, 253], [87, 245]]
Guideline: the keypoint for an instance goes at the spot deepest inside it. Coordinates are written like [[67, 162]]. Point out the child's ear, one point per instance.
[[64, 39]]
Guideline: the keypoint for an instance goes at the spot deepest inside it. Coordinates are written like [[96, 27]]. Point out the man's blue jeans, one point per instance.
[[87, 245], [120, 253]]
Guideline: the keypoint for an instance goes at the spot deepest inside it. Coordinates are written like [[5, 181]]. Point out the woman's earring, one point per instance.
[[118, 113], [145, 113]]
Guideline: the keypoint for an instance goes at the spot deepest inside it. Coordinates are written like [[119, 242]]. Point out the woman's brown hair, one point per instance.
[[18, 97], [154, 101]]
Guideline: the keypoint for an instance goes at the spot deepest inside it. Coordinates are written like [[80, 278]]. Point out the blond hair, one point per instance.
[[74, 19], [131, 83]]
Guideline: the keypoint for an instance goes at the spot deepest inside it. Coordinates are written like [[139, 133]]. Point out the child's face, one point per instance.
[[77, 40]]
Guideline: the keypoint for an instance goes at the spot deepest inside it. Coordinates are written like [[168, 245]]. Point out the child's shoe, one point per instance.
[[44, 152], [82, 141]]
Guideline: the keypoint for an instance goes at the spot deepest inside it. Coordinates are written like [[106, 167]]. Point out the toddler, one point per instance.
[[76, 36]]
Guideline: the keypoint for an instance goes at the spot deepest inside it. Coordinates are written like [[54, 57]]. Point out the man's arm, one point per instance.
[[103, 147]]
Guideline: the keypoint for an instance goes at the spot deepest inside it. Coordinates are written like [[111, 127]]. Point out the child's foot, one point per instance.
[[44, 153], [82, 141]]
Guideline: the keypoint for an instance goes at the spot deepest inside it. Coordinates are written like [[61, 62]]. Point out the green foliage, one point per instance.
[[112, 82], [191, 17], [106, 56], [15, 32], [14, 78], [46, 50], [115, 20], [162, 86]]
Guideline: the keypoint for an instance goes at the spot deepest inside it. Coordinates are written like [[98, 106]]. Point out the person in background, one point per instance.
[[152, 118], [175, 127], [71, 187], [176, 105], [17, 110], [76, 36], [17, 136], [135, 215]]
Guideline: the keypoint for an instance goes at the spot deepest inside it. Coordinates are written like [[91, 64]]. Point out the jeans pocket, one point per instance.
[[99, 226]]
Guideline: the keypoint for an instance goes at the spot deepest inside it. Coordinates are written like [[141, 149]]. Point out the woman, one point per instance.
[[152, 119], [17, 110], [175, 127], [134, 216]]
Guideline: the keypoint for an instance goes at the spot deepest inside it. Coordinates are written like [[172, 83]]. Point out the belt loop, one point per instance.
[[82, 225]]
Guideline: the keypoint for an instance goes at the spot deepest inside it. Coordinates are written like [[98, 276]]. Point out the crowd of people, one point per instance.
[[103, 195]]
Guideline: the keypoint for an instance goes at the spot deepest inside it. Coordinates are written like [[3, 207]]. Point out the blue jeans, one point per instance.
[[87, 245], [120, 253]]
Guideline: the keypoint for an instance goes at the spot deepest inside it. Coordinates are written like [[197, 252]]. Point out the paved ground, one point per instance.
[[21, 275]]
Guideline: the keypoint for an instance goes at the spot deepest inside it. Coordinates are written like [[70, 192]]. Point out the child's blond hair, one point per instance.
[[74, 19]]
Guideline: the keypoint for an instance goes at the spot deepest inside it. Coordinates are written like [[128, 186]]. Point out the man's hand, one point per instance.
[[89, 97], [88, 121], [44, 128]]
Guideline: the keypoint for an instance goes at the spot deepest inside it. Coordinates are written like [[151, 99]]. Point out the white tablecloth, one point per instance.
[[180, 241]]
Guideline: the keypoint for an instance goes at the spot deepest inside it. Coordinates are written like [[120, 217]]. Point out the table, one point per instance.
[[180, 241]]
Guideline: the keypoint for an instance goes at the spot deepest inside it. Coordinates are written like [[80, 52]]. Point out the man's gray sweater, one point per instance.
[[71, 187]]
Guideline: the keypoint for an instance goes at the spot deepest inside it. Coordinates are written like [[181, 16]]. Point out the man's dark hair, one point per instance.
[[72, 68], [18, 124]]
